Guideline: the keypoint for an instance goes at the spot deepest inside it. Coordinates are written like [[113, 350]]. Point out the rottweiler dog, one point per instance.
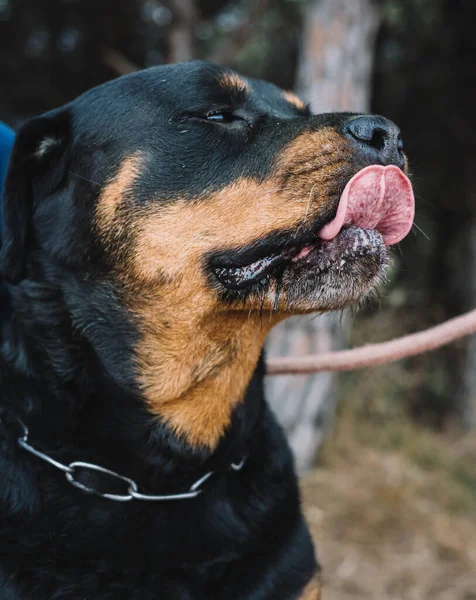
[[154, 230]]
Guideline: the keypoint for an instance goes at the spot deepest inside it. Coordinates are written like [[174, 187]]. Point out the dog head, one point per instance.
[[185, 209]]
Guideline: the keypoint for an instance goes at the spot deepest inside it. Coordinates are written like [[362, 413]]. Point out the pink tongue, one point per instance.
[[378, 198]]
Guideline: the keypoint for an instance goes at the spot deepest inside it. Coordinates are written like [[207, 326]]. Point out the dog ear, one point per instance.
[[39, 145]]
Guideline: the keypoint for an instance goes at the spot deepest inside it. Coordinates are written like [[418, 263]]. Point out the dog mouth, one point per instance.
[[375, 210], [350, 244]]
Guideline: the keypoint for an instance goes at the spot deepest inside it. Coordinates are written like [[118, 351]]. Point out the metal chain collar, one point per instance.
[[132, 490]]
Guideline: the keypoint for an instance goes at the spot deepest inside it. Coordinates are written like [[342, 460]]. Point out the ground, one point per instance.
[[386, 528], [392, 503]]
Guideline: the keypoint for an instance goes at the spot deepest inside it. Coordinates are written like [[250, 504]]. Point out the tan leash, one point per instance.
[[376, 354]]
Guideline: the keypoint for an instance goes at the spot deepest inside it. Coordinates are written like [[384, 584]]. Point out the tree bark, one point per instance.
[[182, 32], [337, 55], [334, 74]]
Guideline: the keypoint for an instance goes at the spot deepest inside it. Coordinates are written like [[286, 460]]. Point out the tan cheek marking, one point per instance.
[[244, 211], [194, 378], [312, 590], [195, 357], [233, 81], [294, 100], [107, 221]]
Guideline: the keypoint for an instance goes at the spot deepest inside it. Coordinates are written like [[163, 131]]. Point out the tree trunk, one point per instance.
[[337, 55], [182, 31], [334, 74]]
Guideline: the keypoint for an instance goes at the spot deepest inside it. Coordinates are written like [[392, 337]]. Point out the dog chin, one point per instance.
[[337, 289], [337, 274]]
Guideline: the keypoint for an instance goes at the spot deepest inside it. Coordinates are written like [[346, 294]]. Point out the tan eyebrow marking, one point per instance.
[[294, 100], [234, 82]]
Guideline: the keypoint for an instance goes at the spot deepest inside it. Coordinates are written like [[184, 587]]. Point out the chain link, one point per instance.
[[70, 476], [132, 491]]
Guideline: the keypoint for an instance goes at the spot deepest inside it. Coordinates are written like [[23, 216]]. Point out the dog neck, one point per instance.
[[195, 375]]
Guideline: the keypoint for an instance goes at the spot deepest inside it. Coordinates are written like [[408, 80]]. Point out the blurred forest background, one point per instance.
[[393, 498]]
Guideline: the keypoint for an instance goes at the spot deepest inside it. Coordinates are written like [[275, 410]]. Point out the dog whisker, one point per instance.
[[421, 231], [278, 291], [85, 178]]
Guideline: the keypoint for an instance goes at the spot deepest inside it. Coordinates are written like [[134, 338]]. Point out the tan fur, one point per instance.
[[294, 100], [195, 355], [236, 216], [234, 82], [107, 220], [312, 590], [194, 378], [315, 150]]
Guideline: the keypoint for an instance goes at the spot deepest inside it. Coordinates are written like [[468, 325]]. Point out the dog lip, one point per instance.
[[241, 277], [240, 268], [319, 256], [283, 245], [236, 276]]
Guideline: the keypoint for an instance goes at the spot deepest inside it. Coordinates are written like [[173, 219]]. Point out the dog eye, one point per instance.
[[222, 116]]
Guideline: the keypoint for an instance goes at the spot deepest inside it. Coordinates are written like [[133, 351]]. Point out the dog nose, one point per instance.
[[379, 138]]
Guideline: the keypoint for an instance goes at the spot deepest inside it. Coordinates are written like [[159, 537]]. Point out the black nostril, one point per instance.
[[377, 136], [377, 140]]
